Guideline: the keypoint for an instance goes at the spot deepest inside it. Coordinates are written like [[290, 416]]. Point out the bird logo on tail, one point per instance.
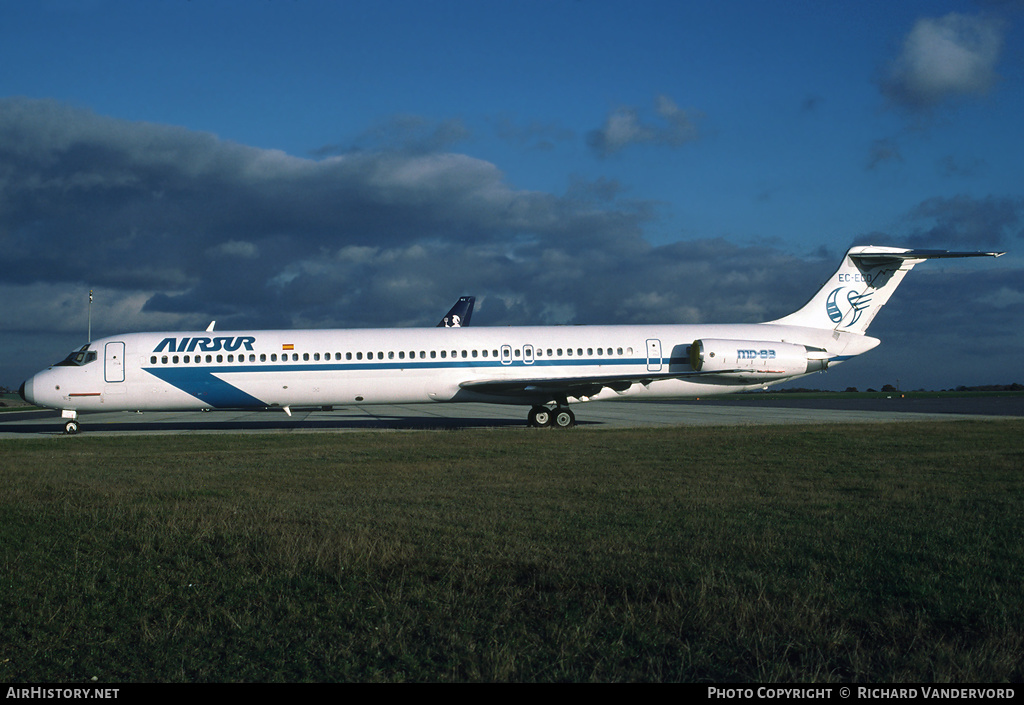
[[858, 304]]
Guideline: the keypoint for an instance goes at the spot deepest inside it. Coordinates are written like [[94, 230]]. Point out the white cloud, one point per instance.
[[943, 58], [236, 248], [623, 128]]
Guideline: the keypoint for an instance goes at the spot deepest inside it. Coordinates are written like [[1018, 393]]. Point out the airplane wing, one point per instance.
[[555, 388]]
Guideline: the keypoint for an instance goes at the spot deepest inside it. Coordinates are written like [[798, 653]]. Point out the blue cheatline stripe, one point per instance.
[[201, 381], [400, 365], [203, 385]]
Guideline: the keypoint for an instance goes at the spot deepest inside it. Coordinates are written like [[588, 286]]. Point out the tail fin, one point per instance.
[[851, 298], [460, 314]]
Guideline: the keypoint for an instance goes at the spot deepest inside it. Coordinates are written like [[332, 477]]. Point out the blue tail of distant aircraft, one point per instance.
[[460, 314]]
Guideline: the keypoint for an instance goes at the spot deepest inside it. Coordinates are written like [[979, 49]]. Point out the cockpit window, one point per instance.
[[78, 358]]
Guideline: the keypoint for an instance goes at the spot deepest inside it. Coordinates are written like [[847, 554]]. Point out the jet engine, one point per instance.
[[755, 360]]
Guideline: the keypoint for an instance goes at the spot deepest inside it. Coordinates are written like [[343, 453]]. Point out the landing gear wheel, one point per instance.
[[564, 418], [71, 427], [540, 417]]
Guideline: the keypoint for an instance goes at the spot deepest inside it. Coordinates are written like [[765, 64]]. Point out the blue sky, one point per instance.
[[290, 163]]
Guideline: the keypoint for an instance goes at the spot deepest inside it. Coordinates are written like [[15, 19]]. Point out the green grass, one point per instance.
[[819, 553]]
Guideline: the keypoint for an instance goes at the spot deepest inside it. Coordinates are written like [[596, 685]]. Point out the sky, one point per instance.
[[326, 164]]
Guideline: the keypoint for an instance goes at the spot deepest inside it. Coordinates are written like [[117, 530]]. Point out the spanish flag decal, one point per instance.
[[287, 346]]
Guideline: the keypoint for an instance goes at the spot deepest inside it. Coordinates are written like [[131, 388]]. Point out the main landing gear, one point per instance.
[[559, 417]]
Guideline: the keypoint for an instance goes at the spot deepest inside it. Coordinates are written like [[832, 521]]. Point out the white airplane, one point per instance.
[[544, 367]]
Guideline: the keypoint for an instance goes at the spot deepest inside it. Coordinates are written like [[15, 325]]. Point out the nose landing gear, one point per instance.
[[71, 426]]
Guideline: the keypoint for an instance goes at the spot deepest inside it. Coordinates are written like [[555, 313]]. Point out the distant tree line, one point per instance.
[[1015, 387]]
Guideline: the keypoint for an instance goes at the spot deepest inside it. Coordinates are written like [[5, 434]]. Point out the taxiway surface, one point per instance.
[[596, 415]]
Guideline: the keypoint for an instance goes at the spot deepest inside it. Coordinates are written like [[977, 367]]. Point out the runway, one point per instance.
[[597, 415]]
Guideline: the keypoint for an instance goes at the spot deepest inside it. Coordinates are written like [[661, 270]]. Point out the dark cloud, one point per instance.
[[882, 152], [409, 134], [531, 136], [963, 222], [182, 227], [942, 59], [174, 228], [811, 103], [959, 167]]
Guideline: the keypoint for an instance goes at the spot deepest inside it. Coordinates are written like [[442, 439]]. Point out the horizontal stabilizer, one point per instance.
[[874, 254], [851, 298]]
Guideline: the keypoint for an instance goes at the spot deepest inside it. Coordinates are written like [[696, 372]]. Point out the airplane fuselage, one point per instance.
[[256, 369]]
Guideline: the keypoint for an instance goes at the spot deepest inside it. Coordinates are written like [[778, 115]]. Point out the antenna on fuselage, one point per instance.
[[90, 316]]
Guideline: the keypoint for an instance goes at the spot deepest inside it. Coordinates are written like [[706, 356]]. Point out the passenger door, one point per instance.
[[113, 362], [653, 355]]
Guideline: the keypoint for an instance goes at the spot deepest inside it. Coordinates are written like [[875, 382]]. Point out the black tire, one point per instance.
[[564, 418], [540, 417]]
